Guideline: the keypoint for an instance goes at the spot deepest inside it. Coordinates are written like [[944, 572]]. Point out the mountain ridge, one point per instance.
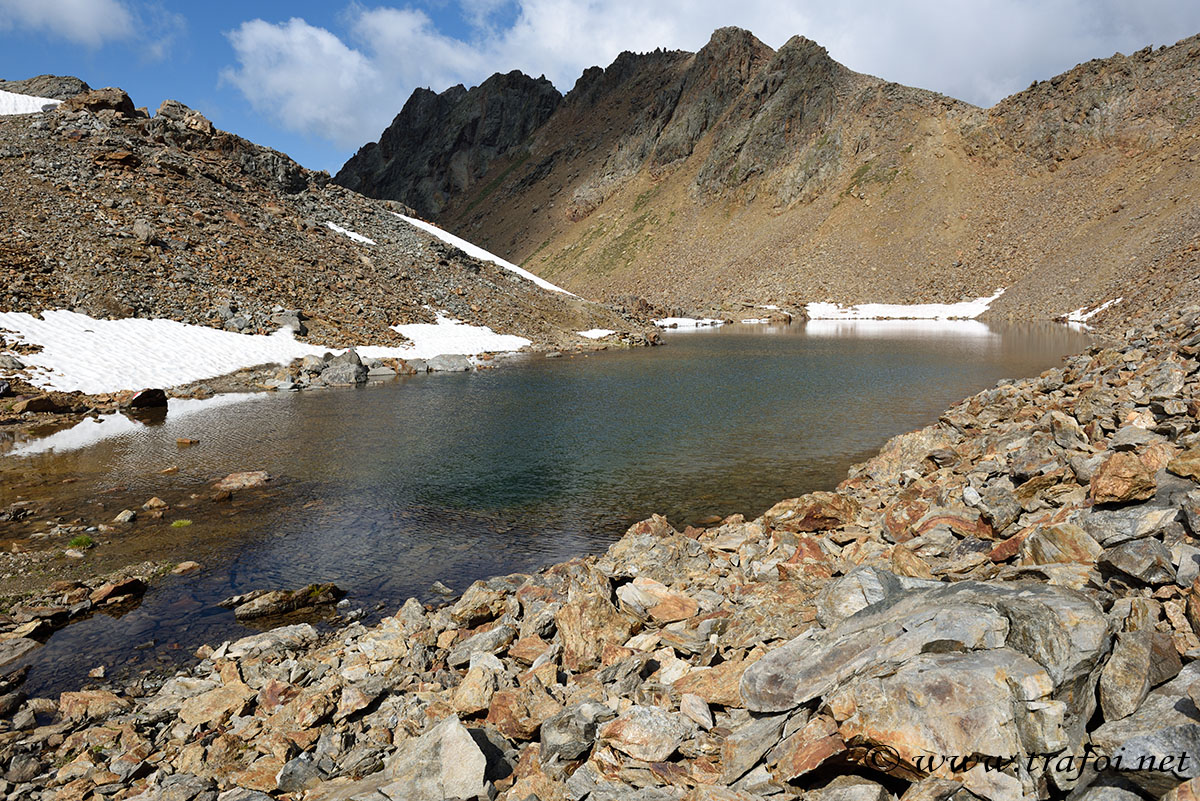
[[739, 175]]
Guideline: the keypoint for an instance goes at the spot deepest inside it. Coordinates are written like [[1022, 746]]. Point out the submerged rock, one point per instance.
[[271, 603]]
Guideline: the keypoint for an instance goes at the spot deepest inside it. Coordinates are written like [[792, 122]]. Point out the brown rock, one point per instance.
[[963, 522], [1009, 548], [518, 713], [215, 706], [817, 511], [475, 691], [113, 590], [588, 621], [1122, 478], [41, 403], [1125, 679], [89, 705], [807, 749], [906, 563], [716, 685], [260, 775], [235, 482], [99, 100], [1186, 464], [1061, 542]]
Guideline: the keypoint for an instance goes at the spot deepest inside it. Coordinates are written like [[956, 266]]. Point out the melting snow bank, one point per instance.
[[447, 335], [13, 103], [356, 237], [90, 430], [79, 353], [966, 310], [688, 322], [1080, 316], [479, 253], [596, 333]]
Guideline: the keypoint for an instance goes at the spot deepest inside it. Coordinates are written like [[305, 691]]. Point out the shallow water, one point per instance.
[[455, 477]]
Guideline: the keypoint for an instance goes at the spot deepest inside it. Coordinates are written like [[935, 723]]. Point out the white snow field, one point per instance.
[[479, 253], [966, 310], [356, 237], [13, 103], [688, 322], [596, 333], [98, 356]]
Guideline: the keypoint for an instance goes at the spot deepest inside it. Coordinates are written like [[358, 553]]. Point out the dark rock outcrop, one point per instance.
[[56, 87], [441, 144]]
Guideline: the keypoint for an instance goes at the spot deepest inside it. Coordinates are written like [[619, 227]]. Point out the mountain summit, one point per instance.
[[743, 175]]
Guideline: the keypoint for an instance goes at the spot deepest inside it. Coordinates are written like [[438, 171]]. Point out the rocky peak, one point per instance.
[[717, 75], [55, 87], [440, 144], [628, 67]]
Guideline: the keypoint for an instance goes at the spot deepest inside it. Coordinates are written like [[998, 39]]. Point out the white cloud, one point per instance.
[[346, 89], [306, 78], [86, 22]]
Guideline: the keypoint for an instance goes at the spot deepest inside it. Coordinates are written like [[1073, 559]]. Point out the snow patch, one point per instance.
[[445, 336], [1080, 316], [596, 333], [966, 310], [356, 237], [13, 103], [479, 253], [755, 321], [688, 322], [99, 356]]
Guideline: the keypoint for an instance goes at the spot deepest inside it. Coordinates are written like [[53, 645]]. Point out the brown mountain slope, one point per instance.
[[115, 214], [742, 175]]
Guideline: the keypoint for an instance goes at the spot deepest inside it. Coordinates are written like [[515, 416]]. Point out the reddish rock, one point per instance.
[[963, 522], [716, 685], [901, 515], [1009, 548], [1123, 477], [588, 621], [817, 511], [906, 563], [807, 749], [809, 560], [527, 649]]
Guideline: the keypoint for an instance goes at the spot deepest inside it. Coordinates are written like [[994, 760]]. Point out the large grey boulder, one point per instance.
[[992, 669], [445, 762], [1166, 723], [449, 363]]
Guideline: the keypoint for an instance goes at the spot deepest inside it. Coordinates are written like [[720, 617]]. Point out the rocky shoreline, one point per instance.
[[970, 614]]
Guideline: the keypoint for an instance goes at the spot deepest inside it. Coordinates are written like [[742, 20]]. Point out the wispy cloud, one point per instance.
[[87, 22]]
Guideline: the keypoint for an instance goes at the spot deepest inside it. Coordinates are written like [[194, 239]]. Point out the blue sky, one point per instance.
[[318, 79]]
